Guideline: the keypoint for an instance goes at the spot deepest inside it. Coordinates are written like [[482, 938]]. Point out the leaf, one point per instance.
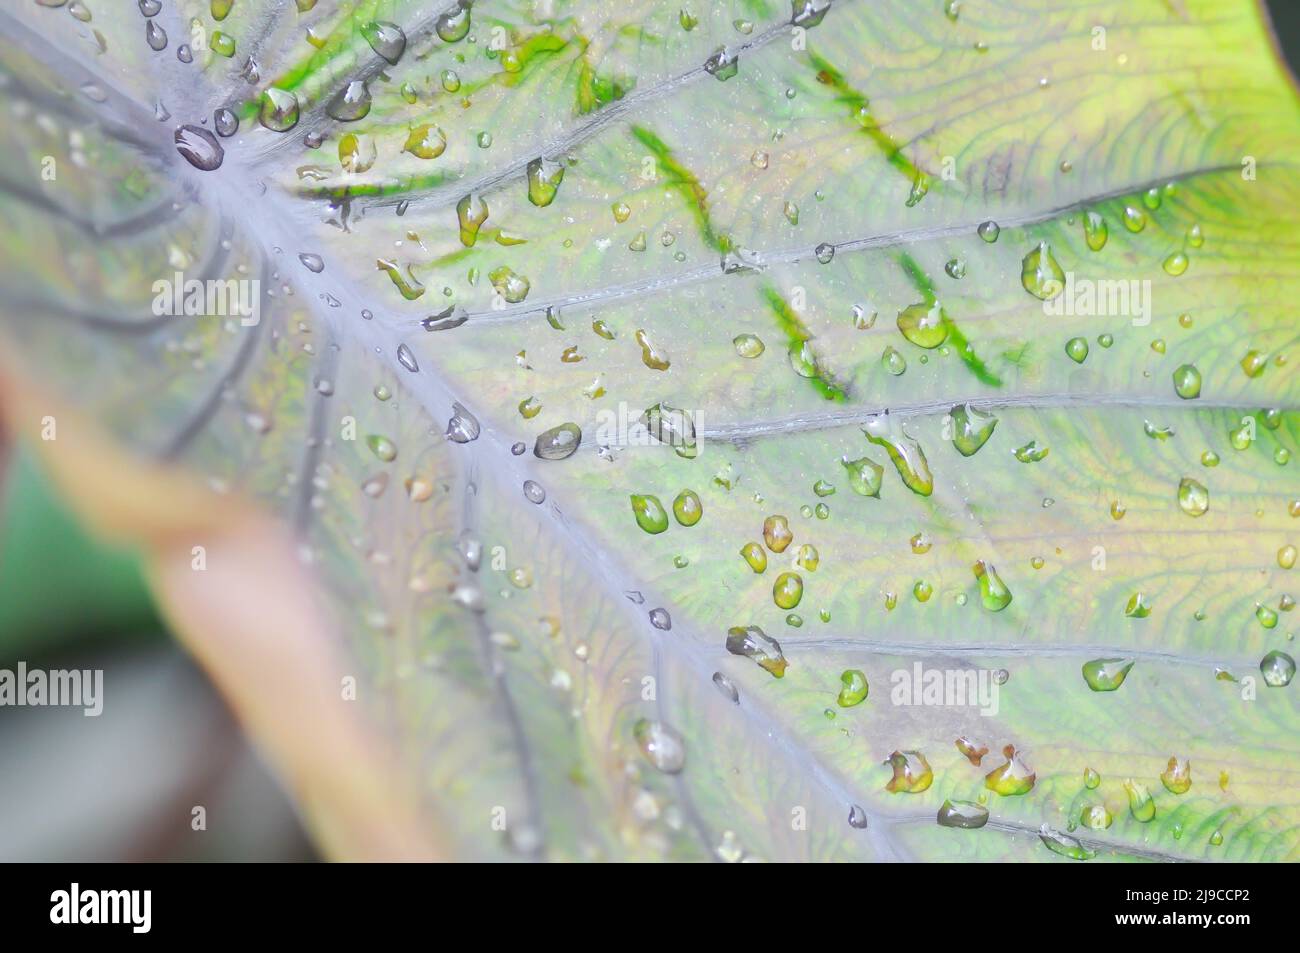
[[894, 202]]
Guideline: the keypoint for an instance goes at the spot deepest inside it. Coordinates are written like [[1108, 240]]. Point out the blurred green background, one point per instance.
[[123, 786]]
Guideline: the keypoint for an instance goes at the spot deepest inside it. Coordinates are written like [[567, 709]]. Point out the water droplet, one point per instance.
[[971, 428], [1077, 349], [1040, 274], [753, 643], [956, 268], [809, 13], [654, 359], [558, 443], [1012, 778], [776, 533], [1177, 777], [510, 286], [993, 592], [989, 231], [906, 454], [787, 591], [1106, 674], [727, 687], [223, 44], [672, 427], [755, 555], [748, 345], [1278, 669], [966, 815], [1095, 231], [1187, 382], [386, 39], [533, 492], [687, 508], [1175, 264], [471, 212], [1140, 803], [350, 103], [893, 362], [406, 358], [853, 688], [1064, 844], [1137, 606], [278, 110], [649, 512], [1193, 497], [660, 619], [865, 476], [824, 252], [425, 141], [312, 262], [857, 817], [723, 64], [924, 324], [1134, 219], [199, 148], [544, 177], [463, 427], [662, 746], [155, 36], [912, 773], [225, 122]]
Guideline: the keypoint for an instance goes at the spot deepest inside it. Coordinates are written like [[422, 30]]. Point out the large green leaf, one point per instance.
[[881, 197]]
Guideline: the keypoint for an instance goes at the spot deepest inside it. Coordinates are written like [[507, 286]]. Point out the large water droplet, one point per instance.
[[199, 148], [558, 443], [906, 454], [963, 814], [753, 643], [386, 39]]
